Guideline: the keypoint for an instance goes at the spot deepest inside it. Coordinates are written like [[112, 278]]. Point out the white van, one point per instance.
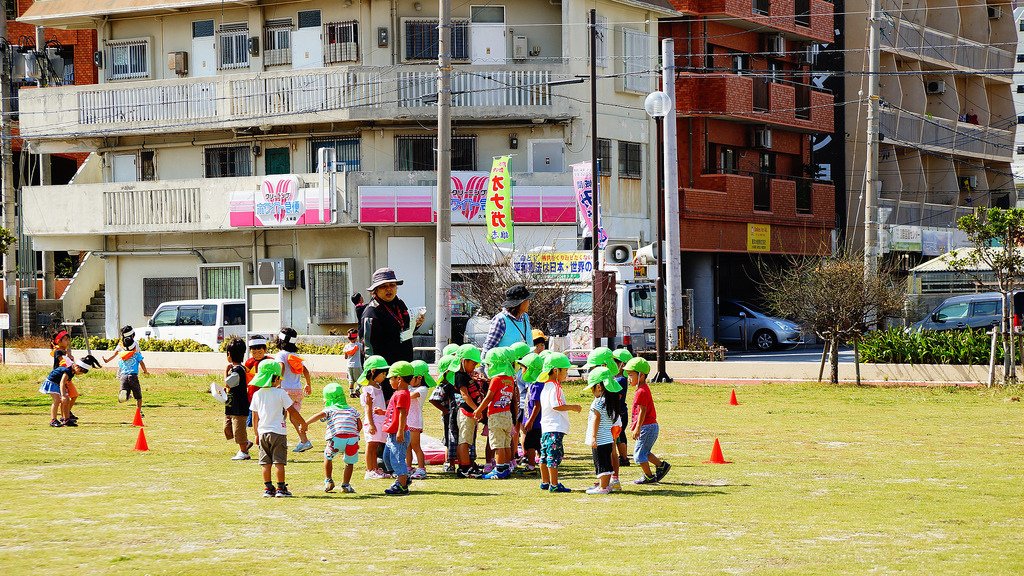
[[205, 321]]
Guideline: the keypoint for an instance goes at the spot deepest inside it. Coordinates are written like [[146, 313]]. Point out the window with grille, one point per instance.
[[630, 160], [156, 291], [329, 289], [346, 153], [604, 157], [601, 41], [228, 161], [277, 42], [419, 153], [11, 9], [221, 281], [341, 41], [128, 59], [232, 46], [636, 61], [421, 37]]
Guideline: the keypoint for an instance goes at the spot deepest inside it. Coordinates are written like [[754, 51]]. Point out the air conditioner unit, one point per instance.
[[810, 54], [935, 87], [995, 12], [520, 48], [618, 254], [970, 182], [763, 138], [775, 45], [276, 272], [739, 65]]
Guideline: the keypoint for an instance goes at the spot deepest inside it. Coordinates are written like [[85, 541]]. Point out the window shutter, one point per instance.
[[158, 290], [221, 281], [328, 286]]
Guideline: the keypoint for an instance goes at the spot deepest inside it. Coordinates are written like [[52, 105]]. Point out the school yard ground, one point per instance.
[[825, 480]]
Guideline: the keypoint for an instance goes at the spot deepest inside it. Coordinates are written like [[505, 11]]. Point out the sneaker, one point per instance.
[[662, 470], [558, 488], [283, 492], [544, 485], [122, 396], [460, 473], [241, 456], [489, 468], [623, 462], [492, 475], [71, 416], [476, 470], [377, 474], [397, 490], [56, 423], [615, 486], [303, 446], [646, 480], [449, 467], [419, 474], [70, 422], [529, 469], [269, 492], [348, 489], [328, 485], [599, 490]]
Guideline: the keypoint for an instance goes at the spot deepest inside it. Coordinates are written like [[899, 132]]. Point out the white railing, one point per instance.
[[925, 42], [148, 104], [157, 207], [938, 132], [497, 88]]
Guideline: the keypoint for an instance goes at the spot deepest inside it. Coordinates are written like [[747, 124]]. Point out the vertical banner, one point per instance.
[[499, 202], [583, 183]]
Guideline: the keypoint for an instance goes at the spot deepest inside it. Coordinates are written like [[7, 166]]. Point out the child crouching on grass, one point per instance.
[[602, 426], [644, 428], [342, 435], [270, 405], [57, 385], [554, 420]]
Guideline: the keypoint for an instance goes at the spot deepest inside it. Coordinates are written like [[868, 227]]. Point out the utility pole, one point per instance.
[[871, 166], [49, 274], [597, 321], [443, 249], [671, 251], [10, 257]]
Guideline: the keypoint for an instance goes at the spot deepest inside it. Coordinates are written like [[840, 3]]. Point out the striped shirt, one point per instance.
[[341, 422]]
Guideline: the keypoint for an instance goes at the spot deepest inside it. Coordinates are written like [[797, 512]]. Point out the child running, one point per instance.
[[644, 428], [532, 365], [62, 356], [498, 406], [293, 370], [56, 385], [375, 369], [128, 365], [602, 426], [354, 358], [553, 420], [270, 405], [421, 383], [396, 426], [342, 435], [236, 409]]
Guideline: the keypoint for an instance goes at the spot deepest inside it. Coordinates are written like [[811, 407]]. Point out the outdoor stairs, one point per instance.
[[95, 313]]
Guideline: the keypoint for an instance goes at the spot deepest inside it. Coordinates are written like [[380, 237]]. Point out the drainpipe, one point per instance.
[[372, 239], [195, 253]]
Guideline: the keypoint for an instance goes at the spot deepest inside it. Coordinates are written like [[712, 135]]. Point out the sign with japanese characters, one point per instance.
[[583, 184], [499, 202], [280, 201], [568, 265], [759, 237]]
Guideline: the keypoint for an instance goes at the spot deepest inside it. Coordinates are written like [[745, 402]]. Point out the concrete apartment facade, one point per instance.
[[203, 105]]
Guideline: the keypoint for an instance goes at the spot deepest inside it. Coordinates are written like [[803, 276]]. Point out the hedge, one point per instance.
[[897, 346]]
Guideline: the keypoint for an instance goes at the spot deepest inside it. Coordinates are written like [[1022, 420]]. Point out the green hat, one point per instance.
[[447, 366], [499, 362], [371, 363], [469, 352], [450, 350], [601, 356], [421, 368], [553, 361], [604, 377], [532, 365], [638, 364], [546, 352], [519, 349], [401, 369], [622, 355], [266, 372], [334, 396]]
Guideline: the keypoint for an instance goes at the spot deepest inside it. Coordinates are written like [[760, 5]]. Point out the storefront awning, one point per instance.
[[79, 14]]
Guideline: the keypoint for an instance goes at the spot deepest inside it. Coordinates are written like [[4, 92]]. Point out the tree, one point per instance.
[[833, 297], [6, 239], [992, 232]]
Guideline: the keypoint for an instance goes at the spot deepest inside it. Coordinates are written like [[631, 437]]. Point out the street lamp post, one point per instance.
[[658, 105]]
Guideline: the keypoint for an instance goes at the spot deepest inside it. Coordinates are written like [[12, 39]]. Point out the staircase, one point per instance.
[[95, 313]]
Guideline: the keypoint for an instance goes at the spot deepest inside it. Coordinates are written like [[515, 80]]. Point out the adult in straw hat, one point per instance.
[[384, 320]]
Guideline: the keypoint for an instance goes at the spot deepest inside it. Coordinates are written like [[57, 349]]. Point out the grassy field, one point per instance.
[[826, 480]]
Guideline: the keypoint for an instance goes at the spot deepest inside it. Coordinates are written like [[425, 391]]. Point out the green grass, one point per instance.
[[826, 480]]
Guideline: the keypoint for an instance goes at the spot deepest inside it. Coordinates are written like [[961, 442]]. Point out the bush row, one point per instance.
[[99, 343], [896, 346]]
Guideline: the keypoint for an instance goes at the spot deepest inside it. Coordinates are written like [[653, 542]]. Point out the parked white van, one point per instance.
[[205, 321]]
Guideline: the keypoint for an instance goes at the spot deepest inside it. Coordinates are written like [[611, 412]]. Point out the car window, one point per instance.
[[209, 315], [641, 303], [234, 314], [953, 311], [579, 303], [986, 308], [165, 316], [729, 309], [190, 316]]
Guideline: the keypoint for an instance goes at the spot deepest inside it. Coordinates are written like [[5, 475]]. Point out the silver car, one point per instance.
[[763, 332]]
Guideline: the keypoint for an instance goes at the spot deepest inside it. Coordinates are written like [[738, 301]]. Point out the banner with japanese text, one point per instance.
[[499, 202], [583, 184]]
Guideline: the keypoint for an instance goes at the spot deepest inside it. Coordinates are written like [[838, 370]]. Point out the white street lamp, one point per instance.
[[658, 105]]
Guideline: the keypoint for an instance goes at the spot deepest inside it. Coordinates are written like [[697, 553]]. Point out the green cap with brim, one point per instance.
[[421, 368], [622, 355], [371, 363], [532, 365], [401, 369], [638, 364], [334, 396], [447, 366], [603, 376], [265, 373], [554, 361], [601, 356], [469, 352], [450, 350], [499, 362], [519, 349]]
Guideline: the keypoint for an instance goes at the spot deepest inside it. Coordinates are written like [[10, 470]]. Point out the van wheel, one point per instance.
[[764, 340]]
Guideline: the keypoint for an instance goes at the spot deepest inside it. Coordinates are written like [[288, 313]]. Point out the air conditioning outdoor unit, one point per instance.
[[763, 138], [995, 12], [935, 87], [276, 272], [775, 45], [178, 62], [810, 54]]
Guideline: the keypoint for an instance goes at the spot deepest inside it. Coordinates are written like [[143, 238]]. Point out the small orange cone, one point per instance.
[[716, 455], [732, 399], [140, 444], [138, 418]]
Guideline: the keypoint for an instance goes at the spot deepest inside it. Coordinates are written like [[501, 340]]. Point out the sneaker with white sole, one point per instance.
[[348, 489], [283, 492], [599, 490], [616, 486], [328, 485], [241, 456], [303, 446], [376, 475], [122, 396], [419, 474]]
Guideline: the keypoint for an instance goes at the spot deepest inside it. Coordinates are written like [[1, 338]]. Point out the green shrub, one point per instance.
[[98, 343], [896, 346]]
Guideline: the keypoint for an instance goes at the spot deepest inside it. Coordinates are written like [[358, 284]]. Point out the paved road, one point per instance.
[[808, 353]]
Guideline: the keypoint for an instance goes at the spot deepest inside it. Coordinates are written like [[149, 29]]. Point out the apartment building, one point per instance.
[[231, 140], [946, 123], [750, 187]]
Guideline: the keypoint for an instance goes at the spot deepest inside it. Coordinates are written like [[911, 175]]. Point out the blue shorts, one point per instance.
[[348, 446], [551, 450], [642, 449]]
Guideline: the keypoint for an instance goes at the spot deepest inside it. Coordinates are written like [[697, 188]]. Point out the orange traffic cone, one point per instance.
[[140, 444], [732, 399], [138, 418], [716, 455]]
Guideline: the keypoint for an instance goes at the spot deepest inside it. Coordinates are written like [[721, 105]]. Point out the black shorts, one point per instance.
[[603, 459], [532, 440], [130, 382]]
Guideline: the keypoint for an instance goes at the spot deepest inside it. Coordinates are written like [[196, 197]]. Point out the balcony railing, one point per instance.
[[945, 48], [936, 132], [783, 195], [759, 7], [759, 100], [803, 102]]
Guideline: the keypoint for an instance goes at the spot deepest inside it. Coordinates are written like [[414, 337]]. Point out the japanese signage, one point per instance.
[[570, 265], [905, 238], [759, 237], [280, 201], [499, 202], [583, 184]]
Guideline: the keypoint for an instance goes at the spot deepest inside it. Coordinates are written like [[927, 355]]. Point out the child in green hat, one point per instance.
[[443, 398], [342, 435], [602, 426], [396, 426], [621, 356], [530, 368], [554, 421], [644, 429], [498, 405], [270, 405], [470, 387], [375, 370]]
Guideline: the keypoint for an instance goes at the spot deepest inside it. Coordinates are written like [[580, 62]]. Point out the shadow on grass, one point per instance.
[[413, 493], [672, 493]]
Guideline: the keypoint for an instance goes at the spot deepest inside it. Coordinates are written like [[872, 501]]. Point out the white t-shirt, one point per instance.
[[270, 404], [289, 379], [355, 349], [416, 396], [552, 420]]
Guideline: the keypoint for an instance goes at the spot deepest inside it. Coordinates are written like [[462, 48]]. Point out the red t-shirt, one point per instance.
[[400, 399], [250, 373], [503, 388], [643, 398]]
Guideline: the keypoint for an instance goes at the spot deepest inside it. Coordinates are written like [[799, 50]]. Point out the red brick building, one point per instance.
[[747, 109]]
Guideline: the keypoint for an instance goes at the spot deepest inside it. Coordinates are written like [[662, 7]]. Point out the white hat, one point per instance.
[[257, 340]]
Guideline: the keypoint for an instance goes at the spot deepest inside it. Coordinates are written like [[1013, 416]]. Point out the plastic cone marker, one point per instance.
[[716, 455], [138, 418], [732, 399], [140, 444]]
